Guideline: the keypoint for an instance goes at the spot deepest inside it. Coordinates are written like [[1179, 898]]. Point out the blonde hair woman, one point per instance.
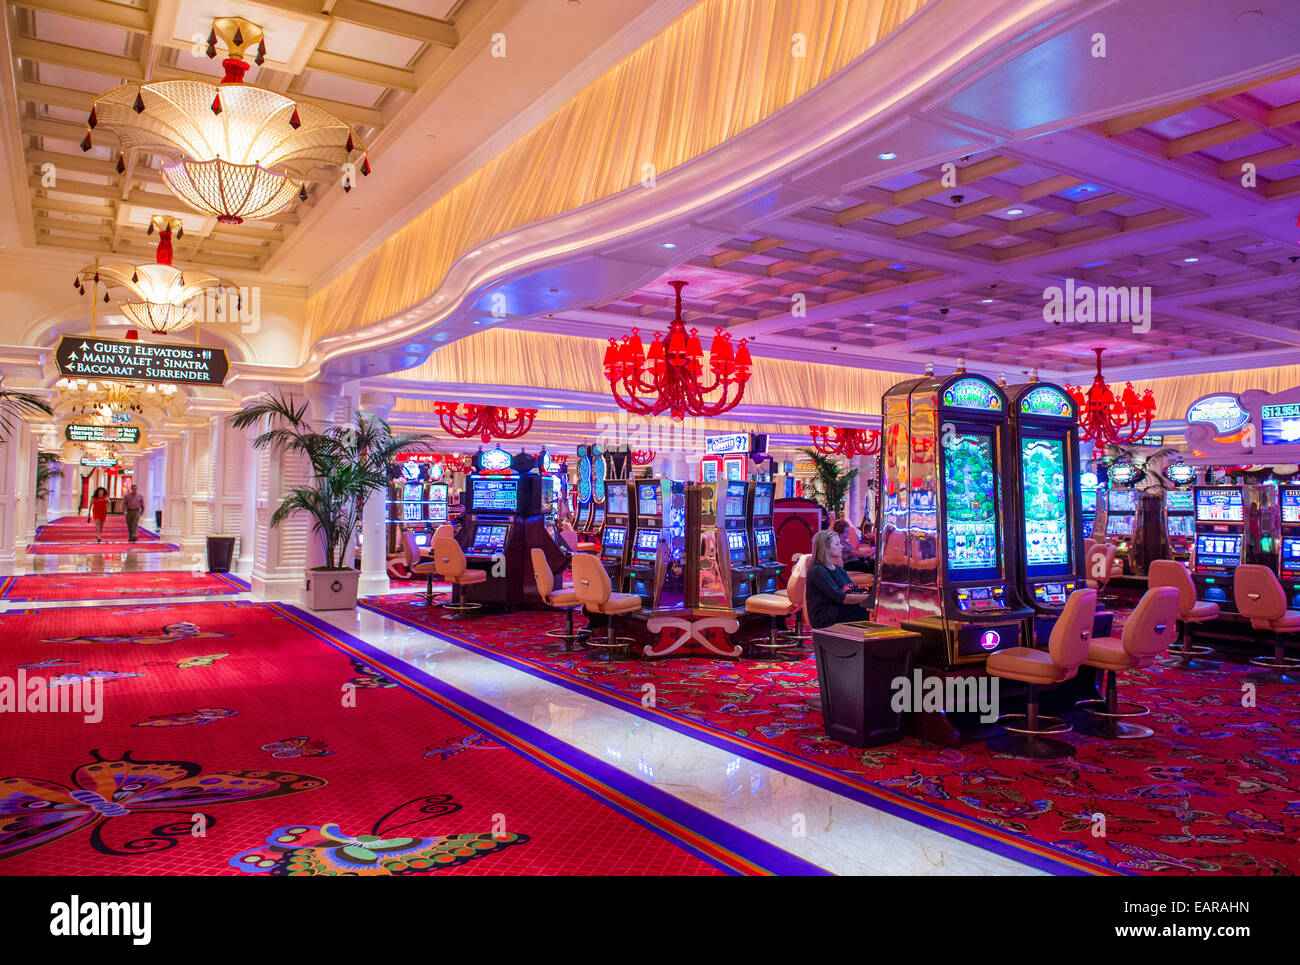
[[832, 597]]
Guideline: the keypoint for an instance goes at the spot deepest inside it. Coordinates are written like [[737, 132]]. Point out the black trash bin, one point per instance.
[[157, 519], [221, 553], [857, 664]]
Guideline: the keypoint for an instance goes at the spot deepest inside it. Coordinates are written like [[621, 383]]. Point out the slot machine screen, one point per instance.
[[735, 504], [649, 499], [1047, 531], [1290, 504], [1119, 525], [971, 505], [612, 541], [438, 503], [737, 544], [763, 499], [1219, 505], [647, 546], [598, 520], [1180, 526], [1122, 500], [1217, 549], [412, 494], [499, 494], [1290, 553], [616, 500], [423, 540], [1181, 501], [489, 539]]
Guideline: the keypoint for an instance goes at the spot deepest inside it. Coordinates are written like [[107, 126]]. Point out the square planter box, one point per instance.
[[331, 589]]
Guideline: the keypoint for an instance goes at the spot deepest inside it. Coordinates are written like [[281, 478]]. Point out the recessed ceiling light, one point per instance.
[[1190, 261], [887, 156], [986, 301], [669, 244], [1015, 211]]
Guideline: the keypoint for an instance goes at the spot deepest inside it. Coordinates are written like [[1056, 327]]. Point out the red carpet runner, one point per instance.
[[238, 739], [1216, 791], [76, 535], [109, 586]]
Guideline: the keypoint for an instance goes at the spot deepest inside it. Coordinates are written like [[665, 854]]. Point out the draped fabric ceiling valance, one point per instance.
[[720, 68], [508, 357]]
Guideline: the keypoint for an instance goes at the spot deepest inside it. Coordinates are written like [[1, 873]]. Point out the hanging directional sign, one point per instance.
[[78, 433], [83, 357]]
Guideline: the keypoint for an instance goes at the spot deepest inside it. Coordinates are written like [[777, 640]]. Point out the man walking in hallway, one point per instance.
[[133, 506]]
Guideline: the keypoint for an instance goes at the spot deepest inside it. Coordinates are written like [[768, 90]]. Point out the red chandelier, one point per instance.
[[642, 457], [669, 375], [1102, 420], [839, 441], [485, 421]]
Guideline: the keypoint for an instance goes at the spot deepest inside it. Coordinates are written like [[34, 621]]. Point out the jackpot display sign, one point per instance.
[[972, 394], [970, 500], [1046, 530], [1279, 425], [1047, 401], [1290, 504]]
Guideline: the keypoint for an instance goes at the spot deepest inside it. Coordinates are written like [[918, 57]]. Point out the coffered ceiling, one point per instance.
[[950, 258]]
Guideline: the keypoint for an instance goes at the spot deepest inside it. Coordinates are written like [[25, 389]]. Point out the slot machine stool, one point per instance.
[[796, 590], [558, 599], [1190, 610], [416, 565], [449, 560], [1147, 634], [591, 584], [774, 607], [1030, 734], [1261, 599]]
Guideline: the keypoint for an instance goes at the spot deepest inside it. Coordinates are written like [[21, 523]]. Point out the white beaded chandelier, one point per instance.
[[238, 152]]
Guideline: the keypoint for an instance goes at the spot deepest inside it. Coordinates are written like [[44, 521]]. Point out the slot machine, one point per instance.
[[733, 541], [1089, 494], [762, 537], [599, 473], [1289, 563], [615, 536], [648, 552], [1180, 523], [1121, 523], [1234, 525], [1042, 490], [946, 567], [582, 511], [502, 521]]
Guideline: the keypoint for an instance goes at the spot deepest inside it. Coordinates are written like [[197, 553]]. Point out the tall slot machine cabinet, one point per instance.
[[503, 520], [762, 537], [1234, 525], [648, 551], [947, 568], [1043, 491]]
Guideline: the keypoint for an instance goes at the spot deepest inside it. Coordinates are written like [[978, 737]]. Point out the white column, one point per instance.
[[171, 488], [248, 536], [374, 545], [279, 554], [228, 478], [10, 462]]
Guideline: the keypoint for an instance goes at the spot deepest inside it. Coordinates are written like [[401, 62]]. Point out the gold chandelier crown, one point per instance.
[[237, 152]]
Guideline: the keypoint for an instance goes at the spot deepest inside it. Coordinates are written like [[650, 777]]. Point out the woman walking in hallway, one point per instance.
[[99, 511]]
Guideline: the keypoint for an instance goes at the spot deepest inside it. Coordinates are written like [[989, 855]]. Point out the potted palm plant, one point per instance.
[[15, 404], [831, 487], [348, 463]]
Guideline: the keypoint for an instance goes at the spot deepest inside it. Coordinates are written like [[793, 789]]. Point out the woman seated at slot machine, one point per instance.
[[856, 555], [832, 597]]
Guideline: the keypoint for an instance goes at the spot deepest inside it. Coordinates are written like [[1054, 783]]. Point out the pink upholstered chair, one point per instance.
[[1261, 599], [1190, 610], [561, 598], [1146, 635], [418, 566], [1066, 651]]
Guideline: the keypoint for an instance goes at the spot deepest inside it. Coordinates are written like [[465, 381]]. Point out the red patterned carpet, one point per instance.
[[236, 740], [108, 586], [107, 548], [1216, 791], [78, 529]]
